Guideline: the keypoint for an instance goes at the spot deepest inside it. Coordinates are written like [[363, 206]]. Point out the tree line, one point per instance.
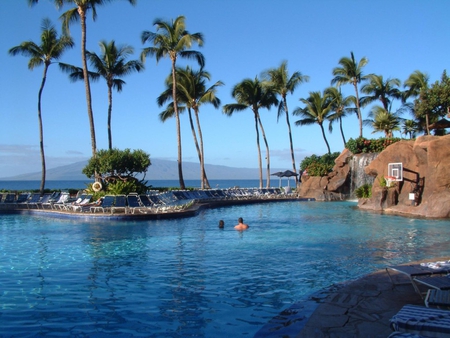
[[187, 88]]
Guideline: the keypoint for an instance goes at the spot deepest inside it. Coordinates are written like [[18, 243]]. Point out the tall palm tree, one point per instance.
[[50, 50], [379, 89], [192, 92], [282, 84], [173, 42], [416, 84], [110, 65], [350, 72], [383, 121], [317, 109], [252, 94], [73, 15], [340, 108]]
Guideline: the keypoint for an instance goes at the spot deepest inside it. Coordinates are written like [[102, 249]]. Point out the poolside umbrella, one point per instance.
[[279, 174], [289, 174]]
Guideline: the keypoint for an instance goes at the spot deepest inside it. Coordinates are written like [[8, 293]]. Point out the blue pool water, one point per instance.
[[186, 277]]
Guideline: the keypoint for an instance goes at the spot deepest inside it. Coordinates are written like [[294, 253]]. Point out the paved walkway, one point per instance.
[[361, 308]]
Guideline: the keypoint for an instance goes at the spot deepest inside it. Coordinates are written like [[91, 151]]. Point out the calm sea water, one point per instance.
[[222, 184], [186, 277]]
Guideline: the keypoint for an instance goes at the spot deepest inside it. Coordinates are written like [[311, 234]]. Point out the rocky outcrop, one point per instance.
[[425, 188], [340, 183]]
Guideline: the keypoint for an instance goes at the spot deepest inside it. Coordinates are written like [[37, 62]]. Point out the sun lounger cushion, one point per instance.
[[422, 320]]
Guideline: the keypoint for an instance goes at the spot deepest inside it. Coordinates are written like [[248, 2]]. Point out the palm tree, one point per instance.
[[350, 72], [173, 42], [50, 49], [282, 84], [378, 89], [383, 121], [317, 109], [252, 94], [340, 107], [416, 84], [73, 15], [110, 65], [192, 92], [410, 128]]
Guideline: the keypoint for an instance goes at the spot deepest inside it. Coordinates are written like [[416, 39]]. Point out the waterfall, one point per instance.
[[357, 175]]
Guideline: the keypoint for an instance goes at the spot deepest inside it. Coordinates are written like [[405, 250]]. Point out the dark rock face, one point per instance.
[[425, 189]]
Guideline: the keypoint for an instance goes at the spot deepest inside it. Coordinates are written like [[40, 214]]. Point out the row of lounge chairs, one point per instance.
[[433, 319], [153, 201]]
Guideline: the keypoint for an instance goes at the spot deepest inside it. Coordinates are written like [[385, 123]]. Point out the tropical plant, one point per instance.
[[364, 191], [113, 166], [434, 102], [364, 145], [51, 49], [379, 89], [316, 165], [192, 92], [350, 72], [73, 15], [173, 42], [383, 121], [340, 108], [252, 94], [283, 84], [110, 65], [317, 109]]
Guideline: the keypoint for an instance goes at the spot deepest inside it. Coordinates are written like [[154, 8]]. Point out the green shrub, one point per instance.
[[319, 165], [364, 191], [363, 145]]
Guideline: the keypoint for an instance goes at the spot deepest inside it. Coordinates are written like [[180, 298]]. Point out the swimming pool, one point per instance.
[[186, 277]]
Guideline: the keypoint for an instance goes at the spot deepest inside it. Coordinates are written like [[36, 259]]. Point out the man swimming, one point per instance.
[[241, 226]]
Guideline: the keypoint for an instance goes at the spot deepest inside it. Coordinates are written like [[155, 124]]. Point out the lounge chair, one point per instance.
[[62, 201], [22, 199], [413, 271], [422, 321], [120, 203], [9, 198], [44, 200], [33, 200], [438, 298], [134, 203], [81, 204], [106, 205]]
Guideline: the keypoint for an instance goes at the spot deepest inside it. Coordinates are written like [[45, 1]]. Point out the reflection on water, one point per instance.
[[181, 278]]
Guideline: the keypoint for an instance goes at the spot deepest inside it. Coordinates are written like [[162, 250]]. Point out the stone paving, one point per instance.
[[361, 308]]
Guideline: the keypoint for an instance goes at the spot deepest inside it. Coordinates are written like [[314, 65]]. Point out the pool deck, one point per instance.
[[360, 308]]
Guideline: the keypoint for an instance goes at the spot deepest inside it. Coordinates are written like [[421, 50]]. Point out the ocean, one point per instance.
[[220, 184]]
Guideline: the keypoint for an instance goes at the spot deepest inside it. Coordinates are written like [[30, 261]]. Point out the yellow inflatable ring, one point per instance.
[[97, 186]]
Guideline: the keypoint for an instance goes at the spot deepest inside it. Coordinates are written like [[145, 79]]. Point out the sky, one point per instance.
[[242, 39]]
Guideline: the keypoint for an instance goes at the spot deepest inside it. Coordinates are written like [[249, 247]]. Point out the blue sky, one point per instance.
[[242, 39]]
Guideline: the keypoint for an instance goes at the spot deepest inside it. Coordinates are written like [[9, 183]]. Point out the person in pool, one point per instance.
[[221, 224], [241, 226]]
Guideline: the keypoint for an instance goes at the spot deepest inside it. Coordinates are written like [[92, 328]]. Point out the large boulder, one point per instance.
[[425, 189]]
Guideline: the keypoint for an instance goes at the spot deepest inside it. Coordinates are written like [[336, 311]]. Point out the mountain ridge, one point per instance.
[[159, 170]]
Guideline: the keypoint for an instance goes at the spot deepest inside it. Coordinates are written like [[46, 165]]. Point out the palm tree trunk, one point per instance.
[[259, 152], [267, 153], [324, 137], [109, 117], [194, 135], [358, 110], [294, 169], [41, 131], [202, 161], [177, 118], [342, 131], [86, 80]]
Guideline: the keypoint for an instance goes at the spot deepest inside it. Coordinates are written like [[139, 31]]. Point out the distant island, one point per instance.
[[159, 170]]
